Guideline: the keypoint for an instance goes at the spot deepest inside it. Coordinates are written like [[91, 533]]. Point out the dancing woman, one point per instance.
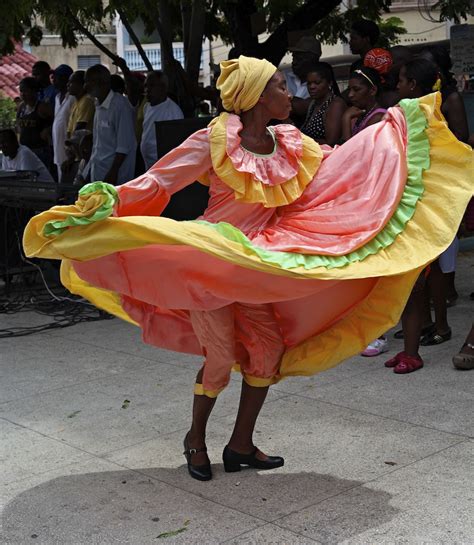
[[300, 259]]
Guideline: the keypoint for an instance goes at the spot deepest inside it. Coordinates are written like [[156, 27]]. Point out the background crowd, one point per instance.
[[76, 127]]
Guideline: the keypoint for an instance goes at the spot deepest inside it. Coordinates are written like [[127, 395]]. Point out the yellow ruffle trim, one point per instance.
[[246, 187]]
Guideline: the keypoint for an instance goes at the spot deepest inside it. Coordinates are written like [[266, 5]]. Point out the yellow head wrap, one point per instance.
[[242, 81]]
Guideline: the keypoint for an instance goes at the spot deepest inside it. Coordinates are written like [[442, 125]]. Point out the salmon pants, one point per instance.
[[242, 334]]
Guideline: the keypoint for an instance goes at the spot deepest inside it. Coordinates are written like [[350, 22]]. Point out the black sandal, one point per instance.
[[462, 360], [432, 339], [202, 472]]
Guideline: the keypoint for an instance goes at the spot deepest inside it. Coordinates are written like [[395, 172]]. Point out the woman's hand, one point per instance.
[[353, 112], [348, 120]]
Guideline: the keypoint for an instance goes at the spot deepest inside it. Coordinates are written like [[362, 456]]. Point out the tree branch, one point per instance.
[[275, 47], [84, 30], [135, 40]]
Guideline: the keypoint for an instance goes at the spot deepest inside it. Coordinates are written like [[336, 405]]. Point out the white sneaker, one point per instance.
[[375, 348]]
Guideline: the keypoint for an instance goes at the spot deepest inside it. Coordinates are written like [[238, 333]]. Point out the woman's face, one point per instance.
[[361, 94], [276, 98], [406, 87], [318, 87]]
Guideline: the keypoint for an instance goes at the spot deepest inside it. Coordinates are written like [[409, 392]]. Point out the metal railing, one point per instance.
[[135, 62]]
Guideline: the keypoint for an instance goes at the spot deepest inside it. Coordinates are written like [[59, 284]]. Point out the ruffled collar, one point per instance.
[[273, 180], [273, 169]]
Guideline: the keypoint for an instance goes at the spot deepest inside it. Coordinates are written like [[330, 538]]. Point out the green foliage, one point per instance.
[[454, 10], [337, 25], [7, 113], [20, 17]]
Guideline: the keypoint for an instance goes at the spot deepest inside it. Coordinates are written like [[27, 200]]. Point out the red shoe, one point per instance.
[[392, 362], [408, 364]]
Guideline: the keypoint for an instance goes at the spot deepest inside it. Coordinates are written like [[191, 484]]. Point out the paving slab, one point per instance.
[[119, 410], [331, 450], [270, 534], [429, 502], [123, 337], [98, 504], [41, 363], [436, 396], [25, 453]]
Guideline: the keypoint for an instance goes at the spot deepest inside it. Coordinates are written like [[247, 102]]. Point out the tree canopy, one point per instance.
[[236, 22]]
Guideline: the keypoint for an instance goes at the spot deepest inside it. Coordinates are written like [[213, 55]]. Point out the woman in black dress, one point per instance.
[[323, 120]]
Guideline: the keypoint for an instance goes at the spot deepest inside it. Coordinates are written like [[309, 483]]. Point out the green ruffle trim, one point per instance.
[[108, 192], [418, 159]]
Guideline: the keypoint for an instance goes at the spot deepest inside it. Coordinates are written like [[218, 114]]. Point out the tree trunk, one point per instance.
[[167, 55], [186, 10], [173, 69], [196, 34], [136, 41], [238, 16]]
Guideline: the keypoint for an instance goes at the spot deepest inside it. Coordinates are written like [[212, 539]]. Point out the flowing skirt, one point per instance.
[[337, 265]]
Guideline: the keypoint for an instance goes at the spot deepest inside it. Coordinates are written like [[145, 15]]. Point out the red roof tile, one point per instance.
[[13, 68]]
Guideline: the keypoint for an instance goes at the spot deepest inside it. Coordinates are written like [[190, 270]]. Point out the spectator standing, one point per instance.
[[85, 151], [305, 53], [34, 120], [117, 84], [114, 142], [41, 71], [381, 61], [363, 37], [364, 87], [83, 110], [158, 108], [454, 111], [323, 120], [62, 110], [19, 157], [400, 55], [417, 78]]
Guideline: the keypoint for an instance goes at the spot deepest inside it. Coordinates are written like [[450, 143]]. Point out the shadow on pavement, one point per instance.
[[138, 506]]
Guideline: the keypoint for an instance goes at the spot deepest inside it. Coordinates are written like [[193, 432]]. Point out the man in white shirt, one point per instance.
[[114, 142], [62, 109], [19, 157], [158, 108]]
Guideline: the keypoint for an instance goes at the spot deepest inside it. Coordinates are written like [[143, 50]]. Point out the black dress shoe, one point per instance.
[[202, 472], [234, 460]]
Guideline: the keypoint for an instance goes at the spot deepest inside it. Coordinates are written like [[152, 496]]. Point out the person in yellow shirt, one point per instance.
[[82, 113]]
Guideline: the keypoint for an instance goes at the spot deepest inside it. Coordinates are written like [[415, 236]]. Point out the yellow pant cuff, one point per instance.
[[259, 382], [200, 391]]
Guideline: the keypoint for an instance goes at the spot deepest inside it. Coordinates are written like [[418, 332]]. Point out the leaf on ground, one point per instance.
[[172, 534], [125, 404], [72, 415]]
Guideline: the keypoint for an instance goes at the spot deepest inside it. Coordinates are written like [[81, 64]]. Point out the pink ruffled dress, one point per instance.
[[302, 257]]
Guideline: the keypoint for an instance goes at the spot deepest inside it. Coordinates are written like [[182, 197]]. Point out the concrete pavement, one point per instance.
[[92, 423]]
